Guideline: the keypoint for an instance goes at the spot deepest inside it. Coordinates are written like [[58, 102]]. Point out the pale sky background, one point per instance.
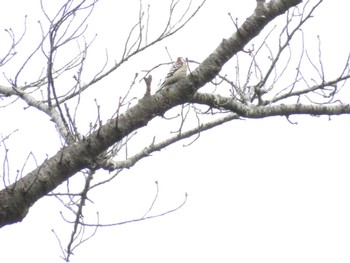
[[258, 190]]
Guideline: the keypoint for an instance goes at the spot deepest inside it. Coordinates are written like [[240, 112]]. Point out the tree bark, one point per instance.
[[16, 199]]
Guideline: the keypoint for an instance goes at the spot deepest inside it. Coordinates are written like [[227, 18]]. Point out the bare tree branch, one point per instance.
[[258, 90], [84, 154]]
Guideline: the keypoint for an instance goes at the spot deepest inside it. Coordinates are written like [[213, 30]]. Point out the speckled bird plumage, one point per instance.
[[177, 71]]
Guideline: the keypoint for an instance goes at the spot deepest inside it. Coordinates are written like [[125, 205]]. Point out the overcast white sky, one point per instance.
[[258, 190]]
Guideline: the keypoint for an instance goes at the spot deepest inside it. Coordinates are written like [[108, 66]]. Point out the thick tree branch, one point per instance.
[[256, 112], [264, 13], [16, 199]]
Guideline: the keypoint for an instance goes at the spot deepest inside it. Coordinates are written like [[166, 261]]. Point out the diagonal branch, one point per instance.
[[31, 101], [16, 199], [131, 161]]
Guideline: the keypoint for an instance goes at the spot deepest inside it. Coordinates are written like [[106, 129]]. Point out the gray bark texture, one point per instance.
[[16, 199]]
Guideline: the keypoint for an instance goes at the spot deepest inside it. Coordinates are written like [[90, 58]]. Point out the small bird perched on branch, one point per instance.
[[177, 72]]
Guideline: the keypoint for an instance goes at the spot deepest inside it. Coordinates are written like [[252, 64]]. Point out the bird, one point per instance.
[[177, 72]]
